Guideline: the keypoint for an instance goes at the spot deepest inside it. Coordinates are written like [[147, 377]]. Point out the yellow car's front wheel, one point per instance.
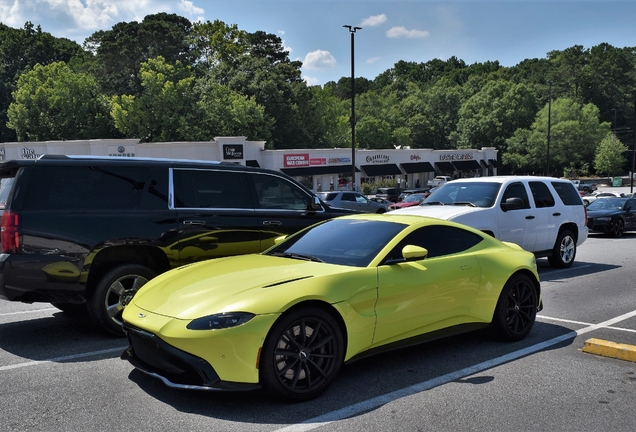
[[302, 354]]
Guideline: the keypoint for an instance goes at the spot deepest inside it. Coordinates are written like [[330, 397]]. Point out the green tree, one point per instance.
[[166, 109], [575, 133], [610, 156], [54, 103], [119, 52], [373, 133], [493, 114], [20, 50]]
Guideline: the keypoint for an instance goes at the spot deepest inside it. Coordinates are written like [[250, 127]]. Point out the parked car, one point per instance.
[[379, 200], [84, 233], [439, 181], [410, 200], [584, 186], [287, 319], [389, 193], [589, 198], [543, 215], [352, 201], [407, 192], [612, 215]]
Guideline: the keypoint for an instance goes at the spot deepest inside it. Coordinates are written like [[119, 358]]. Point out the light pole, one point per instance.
[[549, 120], [353, 30]]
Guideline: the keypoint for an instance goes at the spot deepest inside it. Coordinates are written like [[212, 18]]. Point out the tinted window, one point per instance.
[[348, 197], [517, 190], [541, 194], [439, 240], [341, 241], [277, 193], [67, 188], [327, 196], [209, 189], [5, 188], [567, 192]]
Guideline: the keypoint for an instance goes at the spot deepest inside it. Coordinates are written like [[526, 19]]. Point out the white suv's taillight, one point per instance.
[[10, 235]]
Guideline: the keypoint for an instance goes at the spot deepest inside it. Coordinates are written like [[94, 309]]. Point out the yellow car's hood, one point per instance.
[[226, 284]]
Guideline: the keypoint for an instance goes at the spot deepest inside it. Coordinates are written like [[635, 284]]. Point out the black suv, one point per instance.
[[84, 233]]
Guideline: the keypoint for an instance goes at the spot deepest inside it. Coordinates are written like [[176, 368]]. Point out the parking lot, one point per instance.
[[58, 373]]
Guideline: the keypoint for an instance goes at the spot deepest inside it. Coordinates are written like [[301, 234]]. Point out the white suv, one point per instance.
[[543, 215]]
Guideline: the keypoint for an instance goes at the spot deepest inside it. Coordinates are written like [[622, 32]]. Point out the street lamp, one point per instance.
[[352, 30], [549, 120]]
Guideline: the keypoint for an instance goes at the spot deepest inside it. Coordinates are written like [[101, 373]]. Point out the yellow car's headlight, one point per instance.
[[220, 321]]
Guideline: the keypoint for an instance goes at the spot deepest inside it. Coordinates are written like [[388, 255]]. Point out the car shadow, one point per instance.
[[358, 382], [578, 268], [58, 337]]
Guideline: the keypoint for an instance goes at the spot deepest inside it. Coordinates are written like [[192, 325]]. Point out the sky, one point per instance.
[[475, 31]]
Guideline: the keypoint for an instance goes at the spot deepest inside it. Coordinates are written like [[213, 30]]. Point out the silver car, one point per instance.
[[352, 201]]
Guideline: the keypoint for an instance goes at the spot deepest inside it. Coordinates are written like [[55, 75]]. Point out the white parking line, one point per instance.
[[584, 323], [378, 401], [29, 311], [61, 359]]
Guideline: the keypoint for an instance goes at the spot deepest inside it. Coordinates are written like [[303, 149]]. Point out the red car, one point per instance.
[[409, 201]]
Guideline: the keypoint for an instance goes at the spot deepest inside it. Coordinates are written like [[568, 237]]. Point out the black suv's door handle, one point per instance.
[[272, 223], [193, 222], [556, 214], [529, 217]]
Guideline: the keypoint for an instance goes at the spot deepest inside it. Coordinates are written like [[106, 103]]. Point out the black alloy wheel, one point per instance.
[[618, 228], [302, 355], [516, 309]]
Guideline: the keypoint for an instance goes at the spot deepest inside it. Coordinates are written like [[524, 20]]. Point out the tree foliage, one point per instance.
[[610, 156]]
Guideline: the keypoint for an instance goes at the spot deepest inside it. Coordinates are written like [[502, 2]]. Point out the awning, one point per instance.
[[444, 166], [417, 167], [318, 170], [466, 165], [252, 163], [381, 170], [493, 162], [484, 164]]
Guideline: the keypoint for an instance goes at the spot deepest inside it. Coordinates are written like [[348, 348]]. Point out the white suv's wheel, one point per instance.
[[564, 250]]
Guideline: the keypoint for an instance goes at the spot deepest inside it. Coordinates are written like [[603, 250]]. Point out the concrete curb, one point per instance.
[[610, 349]]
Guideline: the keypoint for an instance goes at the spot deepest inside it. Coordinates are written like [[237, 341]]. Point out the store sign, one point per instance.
[[456, 157], [379, 159], [302, 160], [233, 151], [416, 157], [317, 161], [121, 152], [339, 160], [28, 153]]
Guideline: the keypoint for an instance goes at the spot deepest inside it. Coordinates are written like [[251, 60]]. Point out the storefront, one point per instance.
[[318, 169]]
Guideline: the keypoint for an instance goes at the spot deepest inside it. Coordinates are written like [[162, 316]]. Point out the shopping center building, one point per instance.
[[318, 169]]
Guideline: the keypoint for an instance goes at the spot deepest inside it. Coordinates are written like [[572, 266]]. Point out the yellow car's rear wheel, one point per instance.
[[302, 354]]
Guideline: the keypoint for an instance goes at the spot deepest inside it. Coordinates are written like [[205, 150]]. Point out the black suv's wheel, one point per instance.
[[564, 250], [516, 308], [113, 292], [302, 355]]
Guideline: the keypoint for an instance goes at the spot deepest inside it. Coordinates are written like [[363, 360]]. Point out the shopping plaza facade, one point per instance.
[[318, 169]]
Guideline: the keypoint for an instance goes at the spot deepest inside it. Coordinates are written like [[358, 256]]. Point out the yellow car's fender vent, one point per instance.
[[287, 281]]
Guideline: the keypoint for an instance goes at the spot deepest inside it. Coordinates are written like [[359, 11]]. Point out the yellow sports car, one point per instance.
[[287, 319]]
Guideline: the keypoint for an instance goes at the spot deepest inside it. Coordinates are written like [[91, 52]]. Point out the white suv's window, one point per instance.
[[517, 190], [541, 194]]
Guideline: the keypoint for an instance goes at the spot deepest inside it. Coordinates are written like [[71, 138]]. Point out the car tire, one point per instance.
[[564, 250], [72, 309], [516, 309], [302, 354], [618, 228], [380, 211], [113, 292]]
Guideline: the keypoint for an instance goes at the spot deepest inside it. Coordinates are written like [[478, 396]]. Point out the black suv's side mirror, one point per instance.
[[315, 204], [512, 204]]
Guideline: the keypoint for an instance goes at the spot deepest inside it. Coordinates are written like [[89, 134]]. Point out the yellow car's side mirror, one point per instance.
[[413, 253]]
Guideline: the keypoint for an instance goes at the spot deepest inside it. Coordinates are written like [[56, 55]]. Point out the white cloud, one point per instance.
[[373, 21], [189, 8], [319, 60], [400, 32], [311, 81], [373, 60]]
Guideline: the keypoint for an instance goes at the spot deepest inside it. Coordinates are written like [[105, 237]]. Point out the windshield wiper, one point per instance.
[[433, 203], [468, 203], [297, 256]]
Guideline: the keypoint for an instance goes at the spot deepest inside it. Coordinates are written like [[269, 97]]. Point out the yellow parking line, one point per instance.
[[610, 349]]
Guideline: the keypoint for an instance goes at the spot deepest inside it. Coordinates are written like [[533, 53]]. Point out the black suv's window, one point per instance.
[[87, 188], [5, 188], [541, 194], [277, 193], [567, 192], [517, 190], [438, 240], [209, 189]]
